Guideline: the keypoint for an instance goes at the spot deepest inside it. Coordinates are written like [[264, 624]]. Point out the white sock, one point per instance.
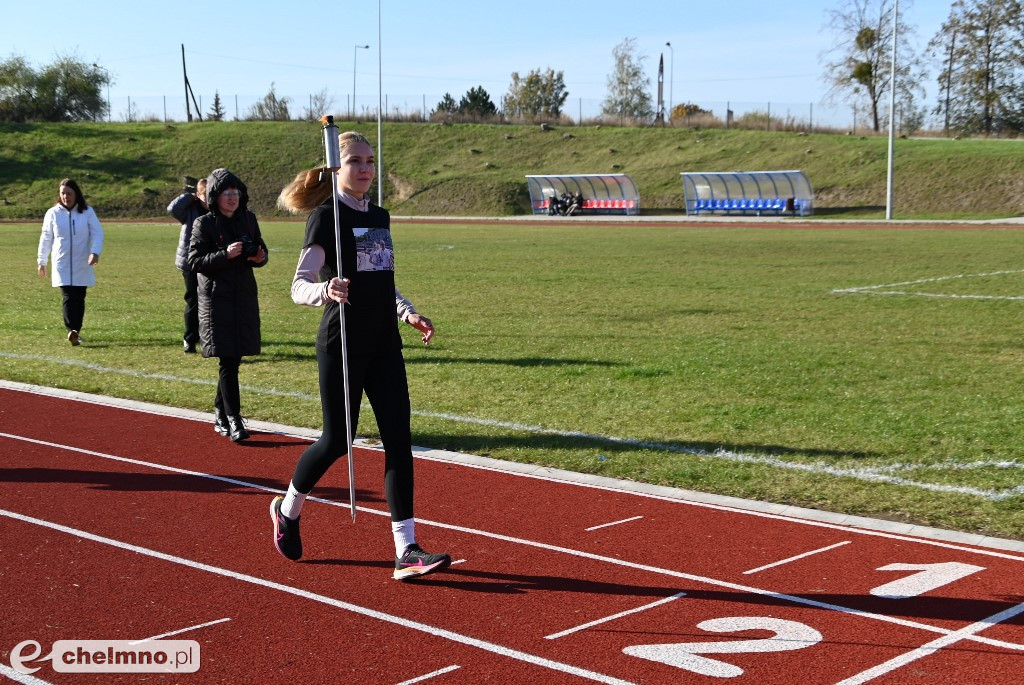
[[405, 534], [291, 507]]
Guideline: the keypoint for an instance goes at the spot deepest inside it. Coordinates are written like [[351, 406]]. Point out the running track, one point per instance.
[[118, 523]]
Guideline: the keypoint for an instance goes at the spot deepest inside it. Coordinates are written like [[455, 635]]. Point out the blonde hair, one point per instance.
[[312, 187]]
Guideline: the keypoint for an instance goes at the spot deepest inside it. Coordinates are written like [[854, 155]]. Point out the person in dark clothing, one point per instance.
[[225, 247], [186, 208], [373, 343]]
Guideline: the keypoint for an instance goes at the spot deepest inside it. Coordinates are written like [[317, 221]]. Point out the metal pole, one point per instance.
[[184, 74], [671, 78], [892, 111], [332, 158], [355, 54], [380, 132]]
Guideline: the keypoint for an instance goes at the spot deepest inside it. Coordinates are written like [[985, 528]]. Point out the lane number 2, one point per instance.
[[788, 635]]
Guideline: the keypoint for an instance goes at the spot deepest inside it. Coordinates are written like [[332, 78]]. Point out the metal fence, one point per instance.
[[406, 107]]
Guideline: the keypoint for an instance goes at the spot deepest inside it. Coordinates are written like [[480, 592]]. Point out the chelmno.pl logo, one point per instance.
[[110, 656]]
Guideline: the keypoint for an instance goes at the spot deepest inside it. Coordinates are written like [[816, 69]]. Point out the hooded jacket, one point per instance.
[[229, 309], [186, 208], [69, 237]]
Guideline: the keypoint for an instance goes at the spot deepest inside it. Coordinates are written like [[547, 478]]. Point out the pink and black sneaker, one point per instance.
[[414, 562], [286, 532]]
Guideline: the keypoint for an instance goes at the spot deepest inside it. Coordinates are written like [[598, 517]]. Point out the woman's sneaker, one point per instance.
[[286, 532], [415, 562]]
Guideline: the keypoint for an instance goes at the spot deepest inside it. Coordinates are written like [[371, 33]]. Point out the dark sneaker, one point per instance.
[[415, 562], [190, 348], [236, 429], [220, 423], [73, 338], [286, 532]]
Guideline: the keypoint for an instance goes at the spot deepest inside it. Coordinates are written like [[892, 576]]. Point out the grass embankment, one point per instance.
[[677, 340], [134, 170]]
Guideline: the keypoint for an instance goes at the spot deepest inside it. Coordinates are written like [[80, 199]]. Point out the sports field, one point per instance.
[[868, 370]]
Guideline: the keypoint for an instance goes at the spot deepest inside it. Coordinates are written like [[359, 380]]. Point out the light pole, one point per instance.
[[671, 77], [108, 89], [355, 53]]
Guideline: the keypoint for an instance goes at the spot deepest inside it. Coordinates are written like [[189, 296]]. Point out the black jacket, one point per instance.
[[229, 309], [186, 208]]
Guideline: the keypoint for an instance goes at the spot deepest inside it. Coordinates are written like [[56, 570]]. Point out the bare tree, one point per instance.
[[270, 108], [319, 104], [859, 67]]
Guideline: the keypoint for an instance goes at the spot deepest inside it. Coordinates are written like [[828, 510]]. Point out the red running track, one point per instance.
[[121, 524]]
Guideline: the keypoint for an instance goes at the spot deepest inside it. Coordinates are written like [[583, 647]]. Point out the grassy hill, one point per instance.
[[134, 170]]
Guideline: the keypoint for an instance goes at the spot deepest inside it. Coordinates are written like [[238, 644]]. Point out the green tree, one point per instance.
[[446, 106], [270, 108], [66, 90], [981, 53], [216, 112], [628, 88], [477, 102], [859, 67], [540, 94]]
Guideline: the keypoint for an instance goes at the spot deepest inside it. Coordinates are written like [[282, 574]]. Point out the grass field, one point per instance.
[[133, 170], [873, 371]]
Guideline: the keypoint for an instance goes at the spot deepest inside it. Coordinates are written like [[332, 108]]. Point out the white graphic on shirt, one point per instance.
[[374, 249]]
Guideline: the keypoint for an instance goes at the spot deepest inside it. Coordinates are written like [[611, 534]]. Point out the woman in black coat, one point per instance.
[[226, 246]]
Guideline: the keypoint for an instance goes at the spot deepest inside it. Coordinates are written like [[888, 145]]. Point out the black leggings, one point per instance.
[[73, 306], [228, 398], [382, 377]]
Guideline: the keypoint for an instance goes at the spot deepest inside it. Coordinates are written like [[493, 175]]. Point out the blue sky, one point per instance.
[[741, 51]]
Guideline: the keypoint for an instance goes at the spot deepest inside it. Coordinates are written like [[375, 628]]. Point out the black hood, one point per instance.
[[220, 180]]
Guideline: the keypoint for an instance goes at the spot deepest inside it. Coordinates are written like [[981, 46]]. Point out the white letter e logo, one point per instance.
[[17, 660]]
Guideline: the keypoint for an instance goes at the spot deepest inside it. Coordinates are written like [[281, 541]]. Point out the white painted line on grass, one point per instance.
[[428, 676], [614, 523], [606, 619], [876, 289], [434, 631], [798, 556], [880, 474], [588, 555], [178, 632], [933, 646]]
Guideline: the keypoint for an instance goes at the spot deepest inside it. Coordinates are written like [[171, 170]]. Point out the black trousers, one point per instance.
[[228, 399], [73, 306], [191, 307], [382, 377]]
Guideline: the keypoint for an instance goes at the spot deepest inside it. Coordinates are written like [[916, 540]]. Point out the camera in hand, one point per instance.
[[250, 248]]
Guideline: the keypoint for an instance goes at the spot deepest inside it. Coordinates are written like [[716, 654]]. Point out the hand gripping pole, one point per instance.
[[332, 158]]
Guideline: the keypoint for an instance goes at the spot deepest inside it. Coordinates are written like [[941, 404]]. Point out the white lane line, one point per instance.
[[9, 672], [435, 631], [798, 556], [428, 676], [178, 632], [587, 555], [665, 600], [869, 474], [966, 632], [614, 523]]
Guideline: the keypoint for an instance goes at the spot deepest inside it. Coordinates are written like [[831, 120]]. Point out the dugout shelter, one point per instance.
[[748, 192], [602, 193]]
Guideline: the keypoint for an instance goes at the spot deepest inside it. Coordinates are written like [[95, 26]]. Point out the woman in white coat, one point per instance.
[[73, 238]]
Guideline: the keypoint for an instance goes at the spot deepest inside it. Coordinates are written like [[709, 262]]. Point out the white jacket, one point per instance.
[[69, 237]]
